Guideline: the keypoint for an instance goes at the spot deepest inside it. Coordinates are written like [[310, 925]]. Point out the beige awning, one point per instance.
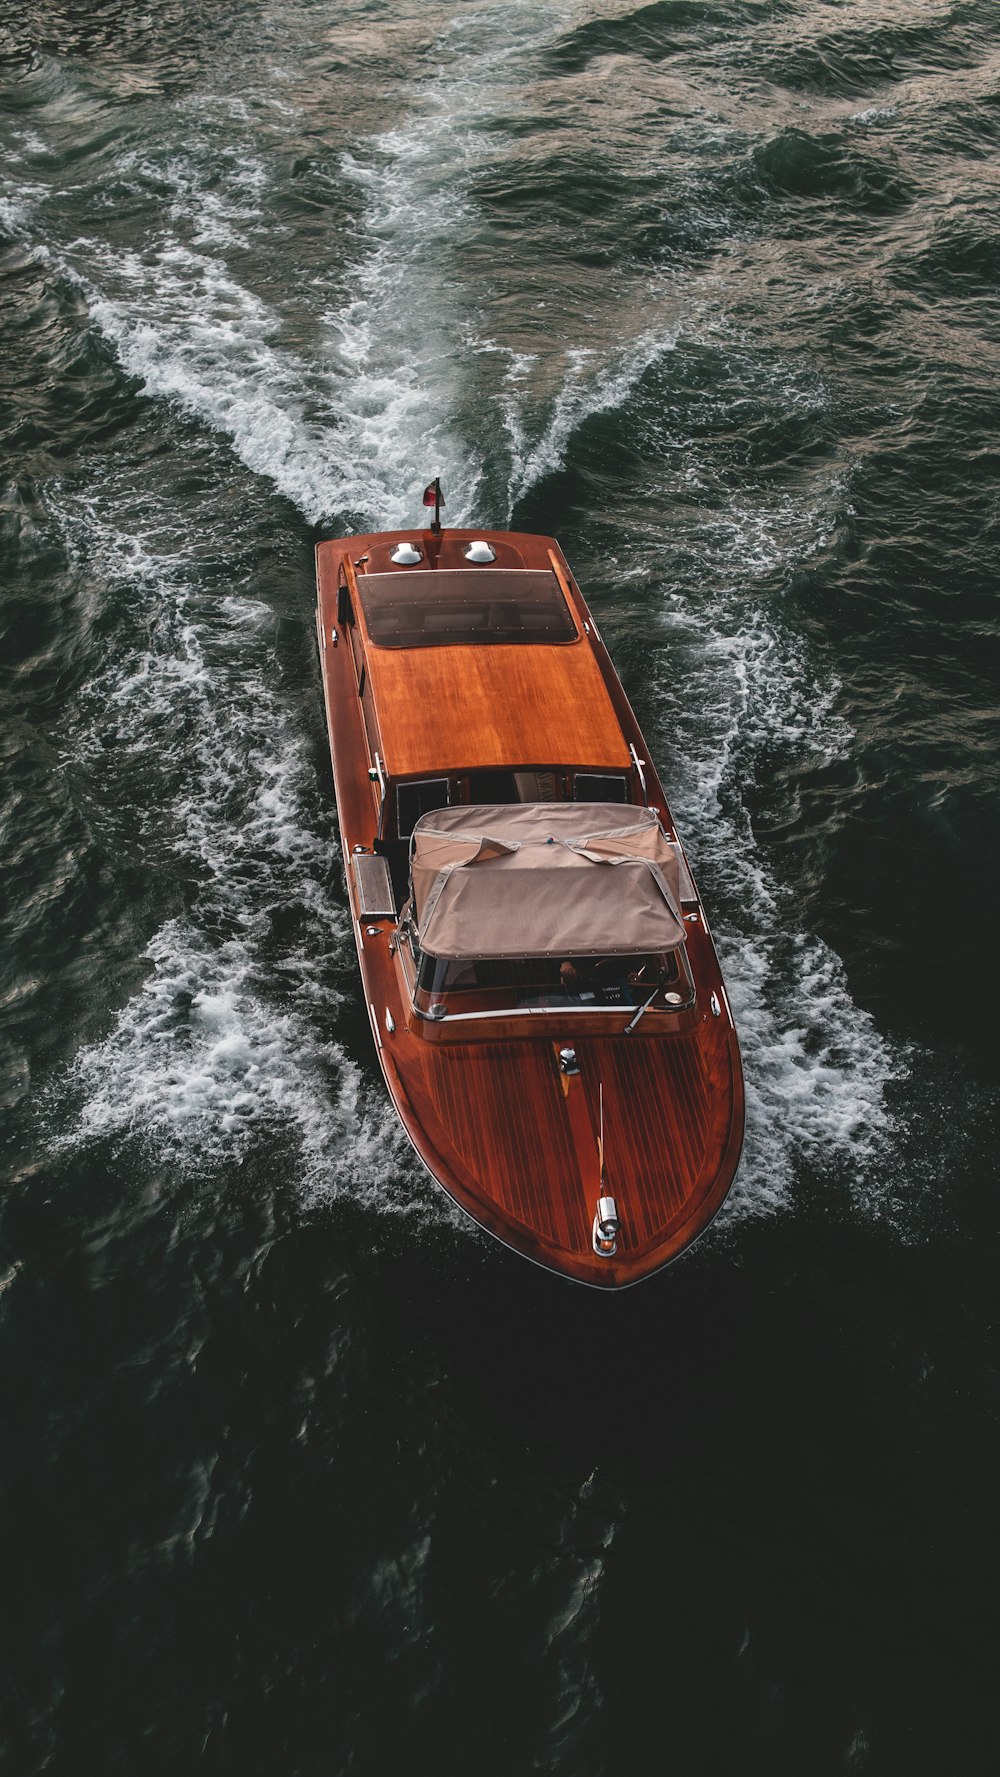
[[533, 879]]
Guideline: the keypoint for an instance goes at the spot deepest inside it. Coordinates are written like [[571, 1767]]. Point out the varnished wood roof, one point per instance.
[[472, 707], [466, 708]]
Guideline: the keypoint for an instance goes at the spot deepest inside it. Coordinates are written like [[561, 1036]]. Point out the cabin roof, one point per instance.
[[474, 705], [469, 708]]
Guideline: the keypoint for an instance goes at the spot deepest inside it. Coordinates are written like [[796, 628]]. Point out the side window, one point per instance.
[[591, 786], [413, 800]]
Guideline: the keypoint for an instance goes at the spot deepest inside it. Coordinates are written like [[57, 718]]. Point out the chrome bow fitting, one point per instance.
[[606, 1227]]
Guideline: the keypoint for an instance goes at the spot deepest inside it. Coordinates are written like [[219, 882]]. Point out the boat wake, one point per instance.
[[228, 1045], [817, 1069], [345, 393], [343, 396], [587, 387]]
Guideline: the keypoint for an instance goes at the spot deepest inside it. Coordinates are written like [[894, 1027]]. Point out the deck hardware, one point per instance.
[[693, 917], [373, 886], [334, 637], [480, 551], [361, 558], [390, 1022], [377, 776], [373, 931], [673, 999], [639, 763], [647, 1002], [434, 497], [405, 554], [568, 1063], [605, 1230], [716, 1008], [359, 848]]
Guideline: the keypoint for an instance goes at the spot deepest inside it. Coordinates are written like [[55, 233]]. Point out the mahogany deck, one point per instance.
[[498, 1119], [484, 1104], [529, 706]]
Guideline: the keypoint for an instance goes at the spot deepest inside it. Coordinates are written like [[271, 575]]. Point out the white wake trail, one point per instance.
[[230, 1047], [352, 425], [735, 690]]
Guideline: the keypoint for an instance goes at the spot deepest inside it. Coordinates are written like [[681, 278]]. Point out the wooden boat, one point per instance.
[[543, 990]]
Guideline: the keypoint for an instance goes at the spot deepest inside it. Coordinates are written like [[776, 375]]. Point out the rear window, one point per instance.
[[449, 607]]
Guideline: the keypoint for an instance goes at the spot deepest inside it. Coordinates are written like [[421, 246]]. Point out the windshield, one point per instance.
[[537, 984]]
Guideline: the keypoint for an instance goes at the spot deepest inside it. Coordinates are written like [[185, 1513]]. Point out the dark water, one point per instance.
[[302, 1475]]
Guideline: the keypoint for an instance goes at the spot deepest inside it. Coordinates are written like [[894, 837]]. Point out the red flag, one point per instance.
[[433, 495]]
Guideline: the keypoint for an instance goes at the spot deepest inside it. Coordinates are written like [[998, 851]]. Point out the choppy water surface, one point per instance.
[[303, 1474]]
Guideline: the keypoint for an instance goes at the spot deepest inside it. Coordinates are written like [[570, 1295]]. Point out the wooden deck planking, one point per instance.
[[502, 1112], [654, 1127], [499, 1110]]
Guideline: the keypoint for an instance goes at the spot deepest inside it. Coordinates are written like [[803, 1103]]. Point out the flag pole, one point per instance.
[[434, 497]]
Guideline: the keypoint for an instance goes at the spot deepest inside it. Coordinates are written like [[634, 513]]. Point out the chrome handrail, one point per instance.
[[639, 763]]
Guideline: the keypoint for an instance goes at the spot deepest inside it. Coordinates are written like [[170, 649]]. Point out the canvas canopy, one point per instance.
[[532, 879]]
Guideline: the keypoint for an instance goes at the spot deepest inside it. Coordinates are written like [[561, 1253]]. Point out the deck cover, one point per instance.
[[545, 879]]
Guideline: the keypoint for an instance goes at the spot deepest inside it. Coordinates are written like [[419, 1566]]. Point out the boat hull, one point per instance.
[[486, 1103]]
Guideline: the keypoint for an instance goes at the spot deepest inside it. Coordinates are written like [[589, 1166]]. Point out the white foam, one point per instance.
[[192, 334], [405, 338], [203, 1072], [357, 427], [587, 388], [735, 688], [17, 208], [231, 1041], [357, 423], [215, 196]]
